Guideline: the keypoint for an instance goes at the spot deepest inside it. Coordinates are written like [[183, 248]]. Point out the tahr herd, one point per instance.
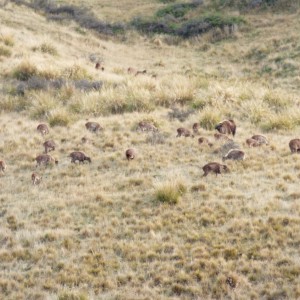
[[224, 130]]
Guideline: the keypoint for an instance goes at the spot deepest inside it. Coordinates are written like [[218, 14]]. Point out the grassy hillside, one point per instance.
[[153, 227]]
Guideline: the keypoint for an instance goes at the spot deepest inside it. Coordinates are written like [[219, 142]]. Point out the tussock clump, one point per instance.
[[46, 48], [209, 118], [4, 51], [280, 122], [24, 71], [76, 72], [59, 118], [7, 40], [170, 193], [255, 111]]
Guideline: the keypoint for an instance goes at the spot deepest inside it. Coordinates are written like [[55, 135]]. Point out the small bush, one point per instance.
[[41, 105], [4, 51], [24, 71], [170, 193]]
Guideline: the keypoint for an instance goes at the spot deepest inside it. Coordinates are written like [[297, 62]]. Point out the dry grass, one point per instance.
[[106, 230]]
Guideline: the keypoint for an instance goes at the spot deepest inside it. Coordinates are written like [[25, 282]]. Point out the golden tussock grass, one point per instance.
[[152, 227]]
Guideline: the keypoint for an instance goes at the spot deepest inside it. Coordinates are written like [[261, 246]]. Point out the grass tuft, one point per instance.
[[4, 51], [170, 193], [24, 71]]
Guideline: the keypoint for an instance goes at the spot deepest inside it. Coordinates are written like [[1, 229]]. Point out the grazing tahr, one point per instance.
[[131, 70], [234, 154], [204, 141], [226, 127], [130, 154], [49, 146], [184, 132], [215, 167], [221, 137], [141, 72], [99, 67], [2, 166], [260, 138], [36, 179], [146, 126], [252, 143], [196, 127], [80, 156], [294, 145], [93, 126], [43, 129], [45, 159]]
